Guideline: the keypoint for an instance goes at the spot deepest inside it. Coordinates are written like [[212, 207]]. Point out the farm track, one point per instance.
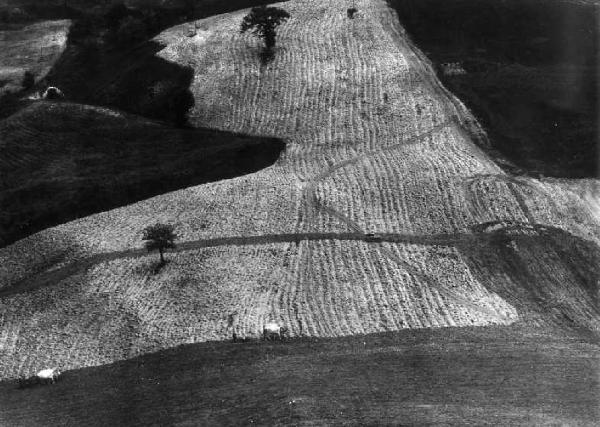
[[443, 239], [48, 278], [358, 234], [447, 239]]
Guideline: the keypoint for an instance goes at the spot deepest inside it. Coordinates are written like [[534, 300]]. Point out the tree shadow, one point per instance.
[[267, 55]]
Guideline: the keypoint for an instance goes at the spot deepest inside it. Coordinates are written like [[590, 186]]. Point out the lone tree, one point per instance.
[[262, 21], [159, 237]]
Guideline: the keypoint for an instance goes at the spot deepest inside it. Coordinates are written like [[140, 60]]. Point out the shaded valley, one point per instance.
[[528, 70]]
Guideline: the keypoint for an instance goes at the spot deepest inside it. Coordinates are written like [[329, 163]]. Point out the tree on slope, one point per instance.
[[263, 21], [159, 237]]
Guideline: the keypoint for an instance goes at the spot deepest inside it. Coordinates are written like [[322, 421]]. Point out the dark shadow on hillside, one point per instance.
[[527, 69], [548, 275], [100, 167], [510, 374], [85, 161], [133, 80]]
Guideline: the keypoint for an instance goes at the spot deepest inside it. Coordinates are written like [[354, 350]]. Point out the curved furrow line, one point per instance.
[[310, 189]]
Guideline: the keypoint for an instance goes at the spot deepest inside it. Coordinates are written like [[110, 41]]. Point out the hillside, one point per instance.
[[528, 69], [33, 48], [451, 376], [99, 53], [62, 161], [373, 144]]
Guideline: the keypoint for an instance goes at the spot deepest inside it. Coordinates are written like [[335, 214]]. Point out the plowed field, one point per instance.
[[374, 144]]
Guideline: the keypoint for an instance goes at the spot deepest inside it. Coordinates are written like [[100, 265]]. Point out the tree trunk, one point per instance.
[[270, 39], [162, 258]]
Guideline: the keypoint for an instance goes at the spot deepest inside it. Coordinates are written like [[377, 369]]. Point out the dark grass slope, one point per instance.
[[481, 376], [61, 161], [532, 74]]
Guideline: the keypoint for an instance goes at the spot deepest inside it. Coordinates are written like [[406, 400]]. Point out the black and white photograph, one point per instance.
[[299, 213]]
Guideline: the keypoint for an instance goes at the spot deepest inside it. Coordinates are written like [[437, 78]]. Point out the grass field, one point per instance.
[[454, 376], [375, 144]]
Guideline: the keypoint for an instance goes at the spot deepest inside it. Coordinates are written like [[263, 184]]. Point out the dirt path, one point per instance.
[[52, 277], [315, 205]]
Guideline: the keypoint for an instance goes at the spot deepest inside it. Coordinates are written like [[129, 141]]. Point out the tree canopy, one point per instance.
[[159, 237], [262, 22]]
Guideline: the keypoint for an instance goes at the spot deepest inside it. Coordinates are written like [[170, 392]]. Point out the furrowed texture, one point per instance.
[[374, 144]]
